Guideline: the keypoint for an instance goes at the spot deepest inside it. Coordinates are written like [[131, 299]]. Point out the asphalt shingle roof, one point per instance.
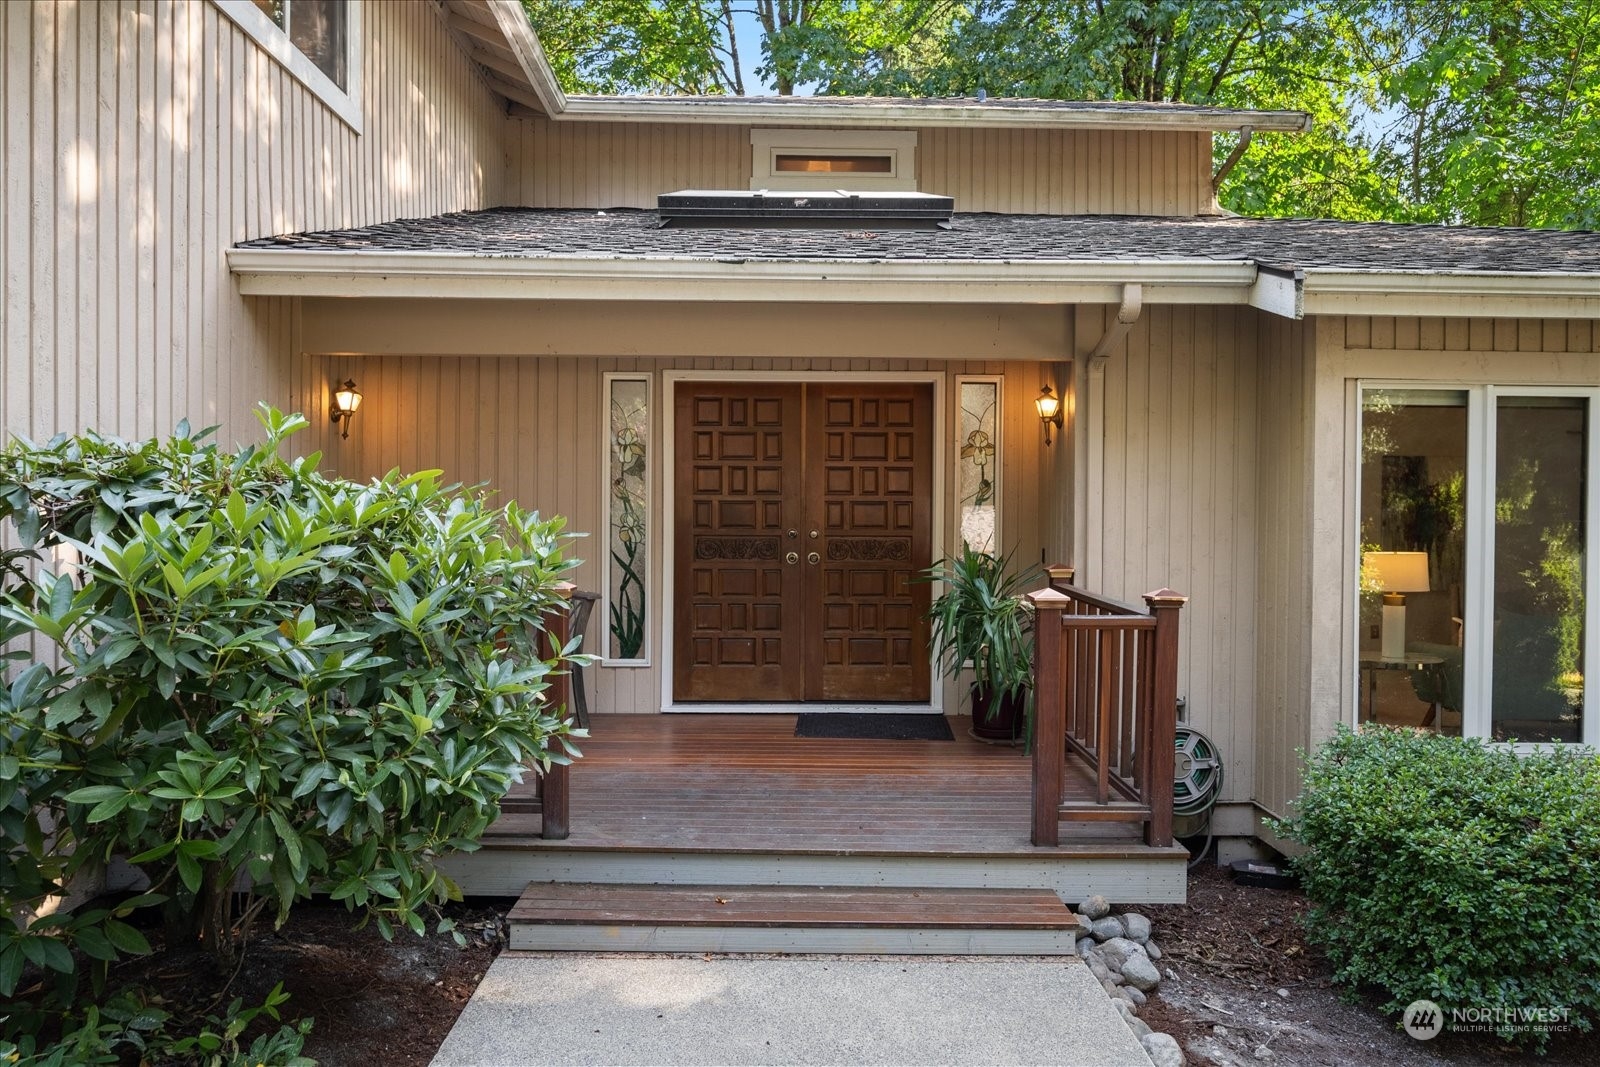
[[539, 233]]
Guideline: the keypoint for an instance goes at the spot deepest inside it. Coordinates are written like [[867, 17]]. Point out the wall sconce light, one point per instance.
[[1049, 408], [346, 399]]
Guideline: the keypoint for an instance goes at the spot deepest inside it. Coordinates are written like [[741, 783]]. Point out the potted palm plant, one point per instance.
[[981, 622]]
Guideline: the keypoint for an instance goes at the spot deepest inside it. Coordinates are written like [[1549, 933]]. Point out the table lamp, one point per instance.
[[1395, 574]]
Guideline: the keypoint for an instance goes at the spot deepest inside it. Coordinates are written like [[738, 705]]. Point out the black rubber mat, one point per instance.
[[871, 727]]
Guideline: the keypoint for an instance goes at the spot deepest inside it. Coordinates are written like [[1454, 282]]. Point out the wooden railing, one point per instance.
[[1105, 687], [552, 798]]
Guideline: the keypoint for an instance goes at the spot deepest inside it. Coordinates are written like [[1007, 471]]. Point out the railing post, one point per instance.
[[1049, 715], [557, 785], [1061, 576], [1162, 728]]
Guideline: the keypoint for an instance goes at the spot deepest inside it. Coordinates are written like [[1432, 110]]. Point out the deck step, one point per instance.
[[595, 917]]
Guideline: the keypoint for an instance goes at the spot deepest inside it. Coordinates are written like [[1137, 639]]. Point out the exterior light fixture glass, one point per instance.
[[1049, 407], [346, 399]]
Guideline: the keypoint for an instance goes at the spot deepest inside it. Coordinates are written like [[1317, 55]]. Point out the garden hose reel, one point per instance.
[[1196, 780]]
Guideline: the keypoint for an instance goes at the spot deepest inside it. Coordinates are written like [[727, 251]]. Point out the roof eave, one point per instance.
[[820, 112], [293, 272], [1290, 294], [1523, 294]]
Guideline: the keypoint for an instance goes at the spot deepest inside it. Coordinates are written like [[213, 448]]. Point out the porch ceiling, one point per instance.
[[1288, 266]]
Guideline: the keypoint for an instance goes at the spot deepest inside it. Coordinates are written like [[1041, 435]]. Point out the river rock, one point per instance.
[[1163, 1050], [1118, 949], [1086, 945], [1107, 928], [1134, 994], [1096, 907], [1140, 973], [1152, 950], [1138, 927]]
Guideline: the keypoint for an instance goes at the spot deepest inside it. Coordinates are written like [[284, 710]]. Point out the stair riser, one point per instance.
[[530, 937], [1137, 880]]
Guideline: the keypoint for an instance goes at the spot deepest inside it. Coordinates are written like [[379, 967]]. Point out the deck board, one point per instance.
[[730, 782], [681, 905]]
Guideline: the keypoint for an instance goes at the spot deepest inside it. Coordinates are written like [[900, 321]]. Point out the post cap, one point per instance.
[[1165, 598], [1049, 599]]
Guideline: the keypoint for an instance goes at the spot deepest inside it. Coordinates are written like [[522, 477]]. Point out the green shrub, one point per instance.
[[130, 1025], [259, 673], [1451, 870]]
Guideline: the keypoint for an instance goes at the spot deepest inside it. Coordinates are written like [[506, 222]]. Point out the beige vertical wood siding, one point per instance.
[[1284, 533], [138, 141], [1181, 500], [601, 165], [530, 427]]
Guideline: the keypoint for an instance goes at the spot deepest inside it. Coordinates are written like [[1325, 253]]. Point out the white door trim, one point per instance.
[[940, 520]]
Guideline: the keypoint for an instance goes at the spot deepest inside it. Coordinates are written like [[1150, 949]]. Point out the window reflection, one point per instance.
[[1540, 543], [1413, 544]]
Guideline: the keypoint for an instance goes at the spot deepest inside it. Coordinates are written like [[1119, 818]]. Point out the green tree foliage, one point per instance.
[[1472, 111], [261, 677]]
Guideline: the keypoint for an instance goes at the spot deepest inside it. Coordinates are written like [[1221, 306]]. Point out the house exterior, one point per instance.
[[205, 209]]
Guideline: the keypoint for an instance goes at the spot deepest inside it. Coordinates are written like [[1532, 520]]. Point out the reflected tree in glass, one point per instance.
[[628, 436]]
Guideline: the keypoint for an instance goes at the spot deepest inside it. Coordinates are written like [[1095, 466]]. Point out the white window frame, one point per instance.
[[900, 146], [345, 103], [1477, 681], [651, 586]]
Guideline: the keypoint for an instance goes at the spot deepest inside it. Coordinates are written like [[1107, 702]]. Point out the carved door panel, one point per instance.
[[803, 513], [737, 620], [869, 486]]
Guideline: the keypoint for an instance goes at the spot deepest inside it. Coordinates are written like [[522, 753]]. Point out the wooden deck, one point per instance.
[[745, 782], [729, 799]]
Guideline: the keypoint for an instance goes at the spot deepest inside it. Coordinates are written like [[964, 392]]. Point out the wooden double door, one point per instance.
[[803, 517]]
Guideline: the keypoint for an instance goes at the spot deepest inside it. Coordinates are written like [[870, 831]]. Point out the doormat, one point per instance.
[[869, 727]]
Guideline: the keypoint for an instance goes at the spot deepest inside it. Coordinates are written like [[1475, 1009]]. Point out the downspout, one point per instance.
[[1128, 313]]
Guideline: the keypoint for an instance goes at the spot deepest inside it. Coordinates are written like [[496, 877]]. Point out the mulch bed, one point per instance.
[[374, 1001]]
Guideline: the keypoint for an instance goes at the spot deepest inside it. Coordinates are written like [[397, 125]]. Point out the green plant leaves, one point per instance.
[[263, 674], [1453, 870]]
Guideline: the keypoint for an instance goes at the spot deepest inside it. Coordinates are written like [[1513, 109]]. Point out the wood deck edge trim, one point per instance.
[[776, 923], [825, 941], [529, 843]]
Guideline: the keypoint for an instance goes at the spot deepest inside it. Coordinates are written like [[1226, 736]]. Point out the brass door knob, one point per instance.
[[813, 558], [792, 558]]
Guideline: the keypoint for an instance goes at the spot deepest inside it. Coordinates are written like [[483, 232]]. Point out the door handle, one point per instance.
[[792, 558], [813, 559]]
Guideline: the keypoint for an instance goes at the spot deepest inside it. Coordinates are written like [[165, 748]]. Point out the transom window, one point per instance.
[[1478, 590], [858, 160]]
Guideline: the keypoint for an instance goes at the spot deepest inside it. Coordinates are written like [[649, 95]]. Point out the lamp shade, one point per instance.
[[1396, 572], [1047, 404], [346, 398]]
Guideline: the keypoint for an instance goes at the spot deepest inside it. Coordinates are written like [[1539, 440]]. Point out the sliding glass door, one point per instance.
[[1478, 595]]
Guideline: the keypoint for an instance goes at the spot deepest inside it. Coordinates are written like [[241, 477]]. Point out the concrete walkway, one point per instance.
[[586, 1009]]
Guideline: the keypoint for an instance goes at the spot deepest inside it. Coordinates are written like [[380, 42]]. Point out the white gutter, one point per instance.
[[1290, 294], [1529, 294], [820, 111], [291, 272]]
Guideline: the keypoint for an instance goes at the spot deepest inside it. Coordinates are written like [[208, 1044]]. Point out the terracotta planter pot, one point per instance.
[[1009, 721]]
